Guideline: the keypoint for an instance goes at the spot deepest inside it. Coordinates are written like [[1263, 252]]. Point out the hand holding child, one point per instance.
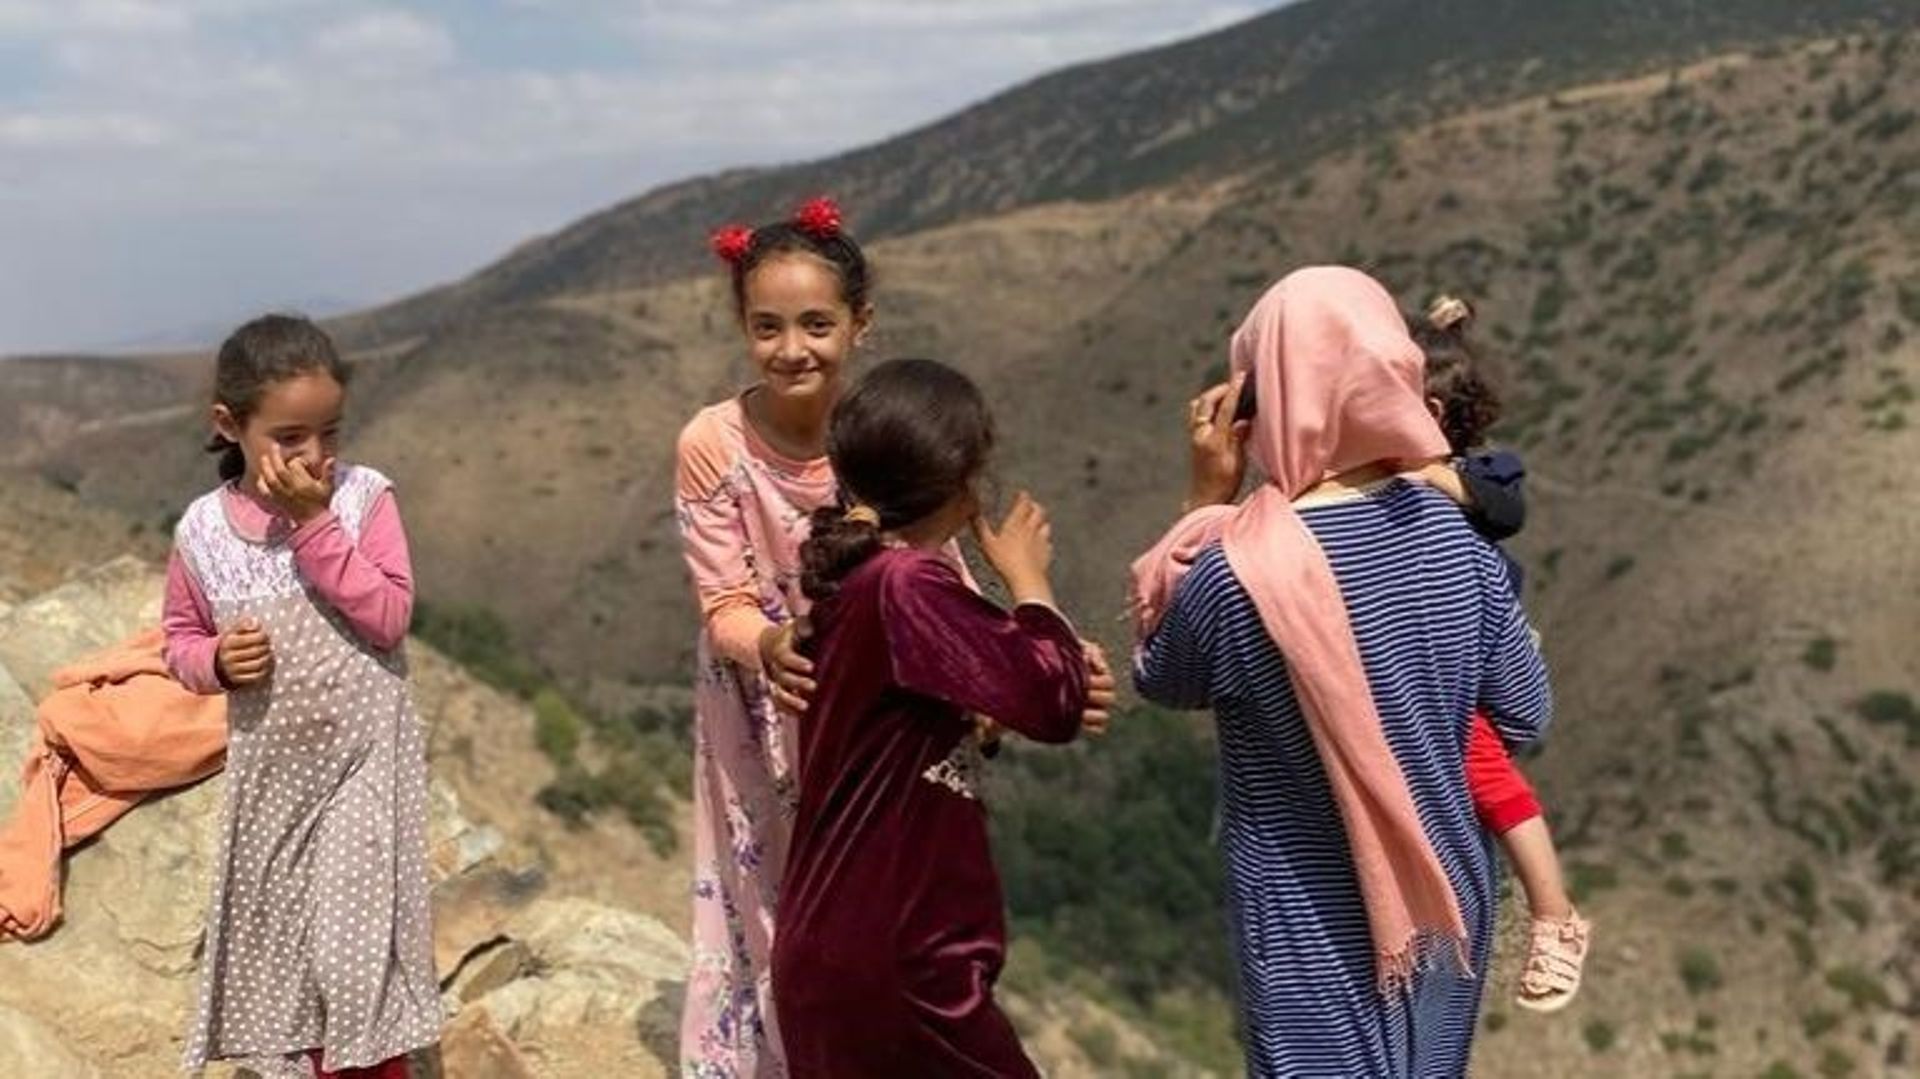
[[244, 656], [1440, 475]]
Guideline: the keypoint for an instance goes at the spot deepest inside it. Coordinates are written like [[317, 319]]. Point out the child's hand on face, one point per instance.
[[1020, 550], [244, 656], [298, 492]]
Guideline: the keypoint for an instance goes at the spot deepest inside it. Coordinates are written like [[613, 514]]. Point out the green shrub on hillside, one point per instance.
[[1908, 293], [1711, 171], [556, 727], [1802, 891], [1845, 105], [1550, 301], [1699, 971], [626, 785], [1888, 125], [1600, 1035], [1699, 1041], [647, 751], [1886, 707], [1668, 167], [1804, 953], [1641, 264], [1107, 857], [1820, 653], [1862, 990], [1898, 858], [479, 640], [1818, 1023]]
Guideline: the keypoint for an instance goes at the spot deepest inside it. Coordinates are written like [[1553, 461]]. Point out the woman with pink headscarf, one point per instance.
[[1343, 624]]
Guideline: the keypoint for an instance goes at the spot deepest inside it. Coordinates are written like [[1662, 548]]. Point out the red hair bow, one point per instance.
[[731, 243], [819, 218]]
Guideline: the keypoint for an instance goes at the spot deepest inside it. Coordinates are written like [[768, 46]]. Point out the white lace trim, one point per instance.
[[959, 771], [230, 569]]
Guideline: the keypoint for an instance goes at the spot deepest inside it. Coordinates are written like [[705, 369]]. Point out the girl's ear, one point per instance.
[[1434, 406], [862, 323], [225, 423]]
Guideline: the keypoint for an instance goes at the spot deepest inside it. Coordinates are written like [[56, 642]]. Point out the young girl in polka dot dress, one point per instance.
[[290, 590]]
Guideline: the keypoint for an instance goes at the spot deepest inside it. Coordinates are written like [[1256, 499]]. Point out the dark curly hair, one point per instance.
[[1457, 376], [906, 440]]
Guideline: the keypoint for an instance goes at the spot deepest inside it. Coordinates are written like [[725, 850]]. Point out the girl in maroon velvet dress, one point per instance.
[[890, 932]]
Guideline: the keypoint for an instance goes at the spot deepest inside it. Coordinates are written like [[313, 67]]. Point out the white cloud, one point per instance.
[[39, 17], [32, 131], [44, 17], [347, 147], [385, 42]]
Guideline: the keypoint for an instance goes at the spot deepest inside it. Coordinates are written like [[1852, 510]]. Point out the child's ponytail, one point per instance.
[[233, 460], [840, 541]]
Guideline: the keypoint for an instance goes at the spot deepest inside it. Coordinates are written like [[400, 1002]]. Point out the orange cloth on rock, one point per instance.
[[116, 729]]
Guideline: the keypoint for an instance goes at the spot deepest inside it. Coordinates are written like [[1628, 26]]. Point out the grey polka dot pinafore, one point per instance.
[[318, 933]]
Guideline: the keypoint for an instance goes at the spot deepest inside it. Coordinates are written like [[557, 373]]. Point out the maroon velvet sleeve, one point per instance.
[[1025, 669]]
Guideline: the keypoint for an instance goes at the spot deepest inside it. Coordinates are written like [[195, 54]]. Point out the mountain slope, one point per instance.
[[1284, 86]]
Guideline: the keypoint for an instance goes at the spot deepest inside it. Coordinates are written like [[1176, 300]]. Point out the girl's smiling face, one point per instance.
[[298, 416], [799, 327]]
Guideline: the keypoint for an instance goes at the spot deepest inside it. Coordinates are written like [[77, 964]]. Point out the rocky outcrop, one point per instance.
[[27, 1047], [93, 610], [579, 990], [536, 985]]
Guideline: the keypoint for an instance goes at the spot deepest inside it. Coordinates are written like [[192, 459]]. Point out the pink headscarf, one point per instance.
[[1340, 384]]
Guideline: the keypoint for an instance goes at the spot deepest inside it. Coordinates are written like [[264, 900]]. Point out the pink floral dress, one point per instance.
[[743, 512]]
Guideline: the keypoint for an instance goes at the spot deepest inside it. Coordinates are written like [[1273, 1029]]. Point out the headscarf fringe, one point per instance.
[[1427, 949]]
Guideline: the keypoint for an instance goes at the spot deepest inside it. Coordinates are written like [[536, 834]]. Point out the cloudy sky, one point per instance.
[[167, 166]]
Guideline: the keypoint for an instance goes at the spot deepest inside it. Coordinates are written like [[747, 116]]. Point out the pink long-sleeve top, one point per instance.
[[742, 509], [370, 582]]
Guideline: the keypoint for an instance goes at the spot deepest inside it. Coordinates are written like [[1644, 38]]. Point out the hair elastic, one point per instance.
[[730, 243], [1446, 312], [819, 218]]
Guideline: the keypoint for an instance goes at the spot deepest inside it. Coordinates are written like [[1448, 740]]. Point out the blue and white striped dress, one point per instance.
[[1439, 632]]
